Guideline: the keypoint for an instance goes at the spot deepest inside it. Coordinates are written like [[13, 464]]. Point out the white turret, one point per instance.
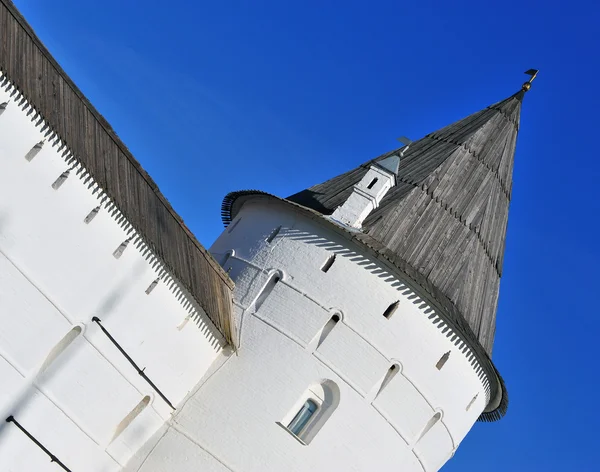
[[368, 192], [341, 365]]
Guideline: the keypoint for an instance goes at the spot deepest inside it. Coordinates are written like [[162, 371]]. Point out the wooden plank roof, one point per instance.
[[447, 216], [89, 137]]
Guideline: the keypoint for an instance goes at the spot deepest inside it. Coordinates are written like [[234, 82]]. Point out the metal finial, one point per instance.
[[407, 142], [527, 85]]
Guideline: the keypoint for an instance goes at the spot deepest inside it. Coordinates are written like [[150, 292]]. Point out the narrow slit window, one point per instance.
[[225, 258], [267, 289], [472, 401], [34, 151], [390, 310], [273, 234], [430, 424], [130, 417], [60, 180], [60, 347], [303, 417], [373, 182], [152, 286], [328, 328], [328, 263], [442, 361], [389, 375]]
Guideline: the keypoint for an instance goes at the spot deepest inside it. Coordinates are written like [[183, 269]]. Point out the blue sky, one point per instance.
[[273, 95]]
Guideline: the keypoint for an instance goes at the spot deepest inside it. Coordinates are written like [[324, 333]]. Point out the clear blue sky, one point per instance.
[[226, 95]]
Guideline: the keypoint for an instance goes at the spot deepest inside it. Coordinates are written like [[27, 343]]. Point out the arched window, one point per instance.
[[389, 375], [325, 331], [430, 424], [302, 418], [312, 411], [267, 289], [226, 257]]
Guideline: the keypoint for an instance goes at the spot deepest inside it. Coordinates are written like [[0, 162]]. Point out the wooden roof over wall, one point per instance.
[[447, 216], [89, 137]]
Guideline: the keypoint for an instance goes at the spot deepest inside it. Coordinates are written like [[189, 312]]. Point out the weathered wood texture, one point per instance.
[[447, 216], [34, 72]]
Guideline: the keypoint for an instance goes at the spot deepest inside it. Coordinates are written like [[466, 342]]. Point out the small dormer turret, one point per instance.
[[368, 192]]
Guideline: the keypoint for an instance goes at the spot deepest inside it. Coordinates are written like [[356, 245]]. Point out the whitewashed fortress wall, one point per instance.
[[66, 256]]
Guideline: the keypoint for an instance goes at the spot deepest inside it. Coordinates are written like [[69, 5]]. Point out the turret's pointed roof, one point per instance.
[[443, 225], [446, 217]]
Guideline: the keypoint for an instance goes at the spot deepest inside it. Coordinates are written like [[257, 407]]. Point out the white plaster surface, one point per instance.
[[235, 418], [57, 272]]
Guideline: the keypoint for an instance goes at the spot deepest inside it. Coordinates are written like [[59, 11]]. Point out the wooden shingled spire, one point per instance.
[[446, 218]]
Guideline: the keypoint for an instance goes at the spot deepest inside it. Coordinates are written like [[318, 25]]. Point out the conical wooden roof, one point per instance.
[[446, 218]]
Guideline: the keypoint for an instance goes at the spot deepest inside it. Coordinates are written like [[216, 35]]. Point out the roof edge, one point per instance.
[[233, 202], [68, 116]]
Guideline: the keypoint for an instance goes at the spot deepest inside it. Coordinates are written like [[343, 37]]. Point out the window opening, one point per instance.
[[91, 215], [389, 375], [303, 416], [313, 410], [132, 415], [34, 151], [225, 258], [328, 328], [389, 311], [152, 286], [268, 288], [273, 234], [373, 182], [472, 401], [442, 361], [60, 347], [121, 249], [430, 424], [328, 263]]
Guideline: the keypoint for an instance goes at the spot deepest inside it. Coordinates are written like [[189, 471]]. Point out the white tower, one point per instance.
[[356, 304], [349, 328]]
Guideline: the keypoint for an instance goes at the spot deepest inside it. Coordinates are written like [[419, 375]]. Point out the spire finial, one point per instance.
[[527, 85], [407, 142]]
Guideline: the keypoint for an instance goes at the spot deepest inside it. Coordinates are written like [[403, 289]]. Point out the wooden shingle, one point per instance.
[[447, 216]]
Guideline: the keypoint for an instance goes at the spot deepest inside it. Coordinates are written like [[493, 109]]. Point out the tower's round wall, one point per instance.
[[409, 418]]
